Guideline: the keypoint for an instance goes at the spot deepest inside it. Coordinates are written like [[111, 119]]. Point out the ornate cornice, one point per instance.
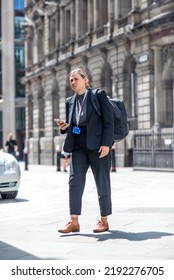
[[155, 22]]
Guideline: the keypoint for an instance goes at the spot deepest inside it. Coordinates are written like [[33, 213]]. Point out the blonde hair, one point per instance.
[[82, 73], [10, 136]]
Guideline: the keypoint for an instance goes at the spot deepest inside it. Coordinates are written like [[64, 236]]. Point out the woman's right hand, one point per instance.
[[62, 125]]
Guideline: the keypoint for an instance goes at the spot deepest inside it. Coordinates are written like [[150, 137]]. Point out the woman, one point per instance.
[[89, 139], [11, 146]]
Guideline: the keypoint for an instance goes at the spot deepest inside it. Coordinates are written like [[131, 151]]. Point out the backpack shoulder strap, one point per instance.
[[95, 102]]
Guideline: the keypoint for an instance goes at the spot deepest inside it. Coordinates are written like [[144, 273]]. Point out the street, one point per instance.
[[141, 226]]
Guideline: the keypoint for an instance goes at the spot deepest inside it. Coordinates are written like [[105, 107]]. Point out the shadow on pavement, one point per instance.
[[114, 234], [16, 200], [8, 252]]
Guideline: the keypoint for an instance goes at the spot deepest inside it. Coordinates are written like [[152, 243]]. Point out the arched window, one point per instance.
[[168, 90], [41, 104], [106, 79], [168, 85], [55, 106], [130, 87], [29, 97], [30, 115], [69, 91]]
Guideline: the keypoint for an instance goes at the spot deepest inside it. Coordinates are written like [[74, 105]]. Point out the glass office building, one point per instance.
[[12, 95]]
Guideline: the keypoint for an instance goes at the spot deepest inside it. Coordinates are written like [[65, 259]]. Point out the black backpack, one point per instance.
[[121, 128]]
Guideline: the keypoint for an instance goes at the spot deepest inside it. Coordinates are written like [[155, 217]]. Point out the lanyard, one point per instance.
[[79, 108]]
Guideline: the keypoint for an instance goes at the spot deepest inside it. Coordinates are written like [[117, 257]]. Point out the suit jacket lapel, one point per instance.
[[71, 108]]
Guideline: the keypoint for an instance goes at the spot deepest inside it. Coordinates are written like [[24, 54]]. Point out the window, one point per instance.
[[18, 30], [133, 86], [20, 72], [20, 88], [52, 33], [130, 87], [66, 25], [40, 45], [101, 16], [41, 105], [83, 15], [19, 5], [106, 79], [20, 118], [19, 56], [124, 7]]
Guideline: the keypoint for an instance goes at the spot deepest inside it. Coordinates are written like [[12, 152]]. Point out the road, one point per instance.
[[141, 226]]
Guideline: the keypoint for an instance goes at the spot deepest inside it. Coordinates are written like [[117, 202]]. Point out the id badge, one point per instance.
[[76, 130]]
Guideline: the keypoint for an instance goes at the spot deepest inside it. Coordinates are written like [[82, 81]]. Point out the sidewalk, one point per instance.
[[141, 226]]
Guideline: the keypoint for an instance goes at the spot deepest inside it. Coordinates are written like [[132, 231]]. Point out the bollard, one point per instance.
[[113, 159], [26, 158], [58, 158]]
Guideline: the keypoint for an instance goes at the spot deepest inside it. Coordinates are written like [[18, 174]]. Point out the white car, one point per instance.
[[10, 175]]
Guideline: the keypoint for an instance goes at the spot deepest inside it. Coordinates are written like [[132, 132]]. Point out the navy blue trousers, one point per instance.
[[81, 159]]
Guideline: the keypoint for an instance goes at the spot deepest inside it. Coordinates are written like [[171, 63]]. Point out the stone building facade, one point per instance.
[[127, 48]]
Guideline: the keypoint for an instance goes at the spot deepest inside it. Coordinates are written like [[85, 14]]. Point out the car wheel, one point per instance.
[[9, 195]]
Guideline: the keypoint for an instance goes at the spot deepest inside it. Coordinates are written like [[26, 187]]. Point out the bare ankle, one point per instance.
[[104, 219], [74, 219]]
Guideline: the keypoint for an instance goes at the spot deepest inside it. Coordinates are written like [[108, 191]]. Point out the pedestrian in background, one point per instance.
[[66, 159], [89, 140], [58, 157], [11, 146]]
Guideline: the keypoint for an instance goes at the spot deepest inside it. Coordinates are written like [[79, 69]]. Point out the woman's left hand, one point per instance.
[[104, 150]]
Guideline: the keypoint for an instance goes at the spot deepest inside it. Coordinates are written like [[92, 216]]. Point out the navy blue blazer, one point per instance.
[[100, 130]]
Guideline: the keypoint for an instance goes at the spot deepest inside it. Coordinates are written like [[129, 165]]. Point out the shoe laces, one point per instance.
[[101, 222]]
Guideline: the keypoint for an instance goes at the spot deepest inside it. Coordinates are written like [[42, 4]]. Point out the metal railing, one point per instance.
[[154, 150]]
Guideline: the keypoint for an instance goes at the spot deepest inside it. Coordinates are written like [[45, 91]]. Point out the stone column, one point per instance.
[[158, 94], [8, 69]]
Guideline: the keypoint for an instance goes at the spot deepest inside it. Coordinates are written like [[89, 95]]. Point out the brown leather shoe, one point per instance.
[[70, 227], [101, 227]]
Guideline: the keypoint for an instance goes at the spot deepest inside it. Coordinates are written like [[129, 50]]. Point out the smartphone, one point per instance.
[[58, 121]]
